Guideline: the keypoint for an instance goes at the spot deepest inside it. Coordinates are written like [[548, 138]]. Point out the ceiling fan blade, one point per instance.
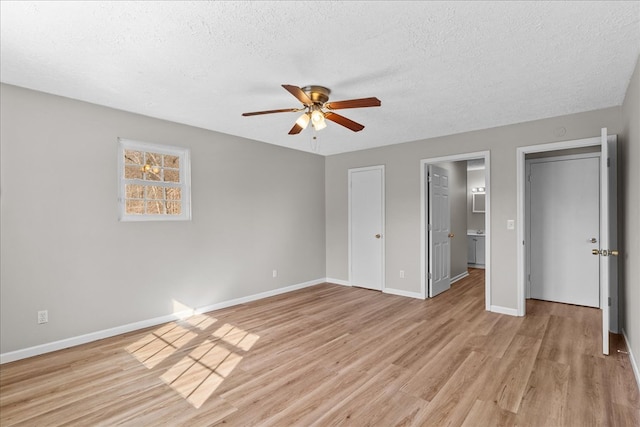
[[354, 103], [298, 93], [341, 120], [284, 110], [296, 129]]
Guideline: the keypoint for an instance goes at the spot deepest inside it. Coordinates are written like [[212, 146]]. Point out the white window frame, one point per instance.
[[184, 184]]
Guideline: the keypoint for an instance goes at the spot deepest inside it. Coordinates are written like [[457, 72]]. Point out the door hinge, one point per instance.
[[529, 178], [529, 278], [608, 162], [429, 276], [609, 301], [429, 227]]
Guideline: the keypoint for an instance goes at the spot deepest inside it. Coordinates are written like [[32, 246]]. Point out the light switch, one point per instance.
[[511, 224]]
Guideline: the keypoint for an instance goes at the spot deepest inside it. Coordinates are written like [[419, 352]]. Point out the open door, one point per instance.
[[439, 231], [608, 232]]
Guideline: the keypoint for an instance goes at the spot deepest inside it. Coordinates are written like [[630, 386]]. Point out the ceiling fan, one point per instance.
[[315, 101]]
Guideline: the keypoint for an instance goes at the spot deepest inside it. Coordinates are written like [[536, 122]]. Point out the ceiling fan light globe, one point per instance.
[[317, 117], [303, 120], [320, 124]]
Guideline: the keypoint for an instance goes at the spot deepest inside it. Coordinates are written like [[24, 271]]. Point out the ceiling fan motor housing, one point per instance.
[[318, 94]]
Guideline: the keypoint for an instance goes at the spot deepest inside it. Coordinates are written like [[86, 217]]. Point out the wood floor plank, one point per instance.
[[362, 406], [335, 355], [453, 402], [506, 386], [488, 414], [545, 400], [429, 379]]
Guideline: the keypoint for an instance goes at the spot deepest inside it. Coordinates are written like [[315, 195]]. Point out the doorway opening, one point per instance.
[[607, 242], [563, 226], [427, 259]]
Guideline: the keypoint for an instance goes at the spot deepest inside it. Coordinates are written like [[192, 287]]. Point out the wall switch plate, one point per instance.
[[275, 273], [402, 274], [511, 224], [43, 316]]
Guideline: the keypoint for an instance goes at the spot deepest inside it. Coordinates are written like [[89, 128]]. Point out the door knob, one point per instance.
[[451, 235], [605, 252], [378, 236], [593, 240]]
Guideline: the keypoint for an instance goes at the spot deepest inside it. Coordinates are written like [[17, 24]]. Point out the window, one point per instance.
[[154, 182]]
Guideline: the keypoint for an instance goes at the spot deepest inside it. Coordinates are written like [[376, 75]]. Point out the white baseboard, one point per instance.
[[459, 277], [504, 310], [118, 330], [338, 281], [402, 293], [634, 362], [255, 297]]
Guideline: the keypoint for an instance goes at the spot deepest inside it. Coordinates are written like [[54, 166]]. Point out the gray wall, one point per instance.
[[256, 207], [475, 178], [402, 168], [629, 159]]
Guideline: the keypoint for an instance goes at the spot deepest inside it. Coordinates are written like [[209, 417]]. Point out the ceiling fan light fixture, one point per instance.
[[317, 119], [303, 120], [319, 125]]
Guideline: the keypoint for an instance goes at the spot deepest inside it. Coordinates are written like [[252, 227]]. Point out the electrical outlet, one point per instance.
[[402, 274], [275, 273], [511, 224], [43, 316]]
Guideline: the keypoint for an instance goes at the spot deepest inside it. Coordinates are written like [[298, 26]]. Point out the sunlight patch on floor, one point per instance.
[[196, 376], [160, 344]]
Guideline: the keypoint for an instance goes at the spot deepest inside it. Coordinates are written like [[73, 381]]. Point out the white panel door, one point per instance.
[[439, 231], [564, 218], [366, 227], [609, 235]]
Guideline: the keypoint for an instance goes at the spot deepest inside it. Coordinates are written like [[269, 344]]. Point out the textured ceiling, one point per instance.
[[438, 67]]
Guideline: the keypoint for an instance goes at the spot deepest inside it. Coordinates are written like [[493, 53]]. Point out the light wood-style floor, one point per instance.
[[333, 355]]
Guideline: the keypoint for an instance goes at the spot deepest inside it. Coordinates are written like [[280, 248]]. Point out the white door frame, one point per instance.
[[383, 234], [521, 152], [486, 155]]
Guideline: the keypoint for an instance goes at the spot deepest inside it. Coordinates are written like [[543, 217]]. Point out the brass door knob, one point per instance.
[[593, 240], [605, 252], [378, 236], [451, 235]]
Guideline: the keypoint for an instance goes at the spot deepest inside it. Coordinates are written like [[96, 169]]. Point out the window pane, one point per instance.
[[154, 159], [135, 207], [155, 207], [171, 162], [174, 193], [132, 172], [133, 157], [151, 176], [174, 208], [171, 175], [155, 192], [134, 191]]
